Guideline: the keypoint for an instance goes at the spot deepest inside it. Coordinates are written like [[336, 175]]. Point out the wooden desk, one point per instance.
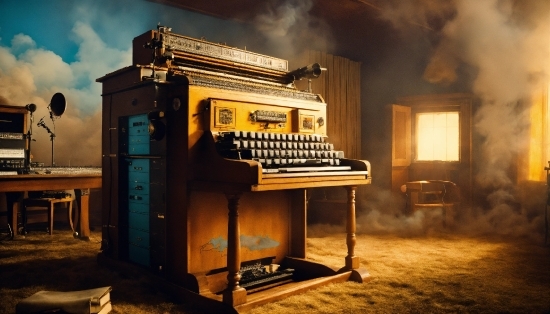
[[15, 185]]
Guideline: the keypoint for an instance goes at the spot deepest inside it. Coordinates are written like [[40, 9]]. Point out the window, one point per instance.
[[437, 136], [538, 154]]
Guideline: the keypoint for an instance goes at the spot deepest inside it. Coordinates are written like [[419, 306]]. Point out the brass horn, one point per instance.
[[310, 71]]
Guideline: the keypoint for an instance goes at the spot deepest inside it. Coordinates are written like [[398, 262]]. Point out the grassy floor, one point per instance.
[[440, 273]]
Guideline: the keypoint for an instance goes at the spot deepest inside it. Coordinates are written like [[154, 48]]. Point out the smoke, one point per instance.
[[506, 43], [428, 14], [289, 29], [512, 62], [378, 211], [505, 40]]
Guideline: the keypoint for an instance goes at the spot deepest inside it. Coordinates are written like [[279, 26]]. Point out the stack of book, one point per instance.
[[91, 301]]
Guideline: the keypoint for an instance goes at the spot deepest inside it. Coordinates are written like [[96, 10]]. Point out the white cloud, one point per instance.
[[16, 82], [32, 75], [22, 41], [7, 59], [47, 68], [94, 58]]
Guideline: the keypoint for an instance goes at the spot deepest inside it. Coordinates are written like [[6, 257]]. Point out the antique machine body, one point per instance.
[[205, 171], [13, 126]]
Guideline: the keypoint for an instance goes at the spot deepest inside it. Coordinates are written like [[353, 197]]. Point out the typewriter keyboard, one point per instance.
[[281, 152]]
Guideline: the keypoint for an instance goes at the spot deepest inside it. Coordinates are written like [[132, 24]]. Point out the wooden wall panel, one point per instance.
[[340, 86]]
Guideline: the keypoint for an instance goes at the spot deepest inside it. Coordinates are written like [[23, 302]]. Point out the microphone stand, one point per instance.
[[52, 135], [28, 139]]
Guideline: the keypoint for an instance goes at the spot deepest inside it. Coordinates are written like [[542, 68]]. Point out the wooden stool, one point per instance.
[[49, 204]]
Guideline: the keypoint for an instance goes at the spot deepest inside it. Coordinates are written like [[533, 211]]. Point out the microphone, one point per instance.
[[41, 123], [31, 107]]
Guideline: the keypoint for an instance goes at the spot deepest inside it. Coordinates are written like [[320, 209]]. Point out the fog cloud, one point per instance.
[[507, 44], [290, 29]]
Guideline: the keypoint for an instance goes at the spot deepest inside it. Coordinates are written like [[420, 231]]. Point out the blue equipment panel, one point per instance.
[[138, 135], [139, 210]]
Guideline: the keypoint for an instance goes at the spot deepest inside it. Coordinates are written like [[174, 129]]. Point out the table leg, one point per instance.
[[352, 261], [234, 294], [82, 224], [13, 200], [358, 274]]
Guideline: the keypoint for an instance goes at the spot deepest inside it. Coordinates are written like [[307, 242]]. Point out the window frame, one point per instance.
[[435, 108]]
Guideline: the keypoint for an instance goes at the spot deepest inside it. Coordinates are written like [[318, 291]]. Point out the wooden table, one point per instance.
[[15, 185]]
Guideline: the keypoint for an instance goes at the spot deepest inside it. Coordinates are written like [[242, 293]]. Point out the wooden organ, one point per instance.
[[207, 154]]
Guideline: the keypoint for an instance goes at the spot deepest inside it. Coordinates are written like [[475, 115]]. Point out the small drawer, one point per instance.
[[141, 188], [138, 164], [138, 145], [138, 198], [139, 208], [138, 237], [138, 221], [141, 177]]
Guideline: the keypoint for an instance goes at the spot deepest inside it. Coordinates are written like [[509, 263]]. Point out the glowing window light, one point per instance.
[[437, 136], [539, 148]]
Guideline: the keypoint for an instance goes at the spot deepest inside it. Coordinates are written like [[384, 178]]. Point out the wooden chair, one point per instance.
[[49, 204], [432, 194]]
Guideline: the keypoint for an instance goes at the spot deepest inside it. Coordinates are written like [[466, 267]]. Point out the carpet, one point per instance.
[[440, 272]]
